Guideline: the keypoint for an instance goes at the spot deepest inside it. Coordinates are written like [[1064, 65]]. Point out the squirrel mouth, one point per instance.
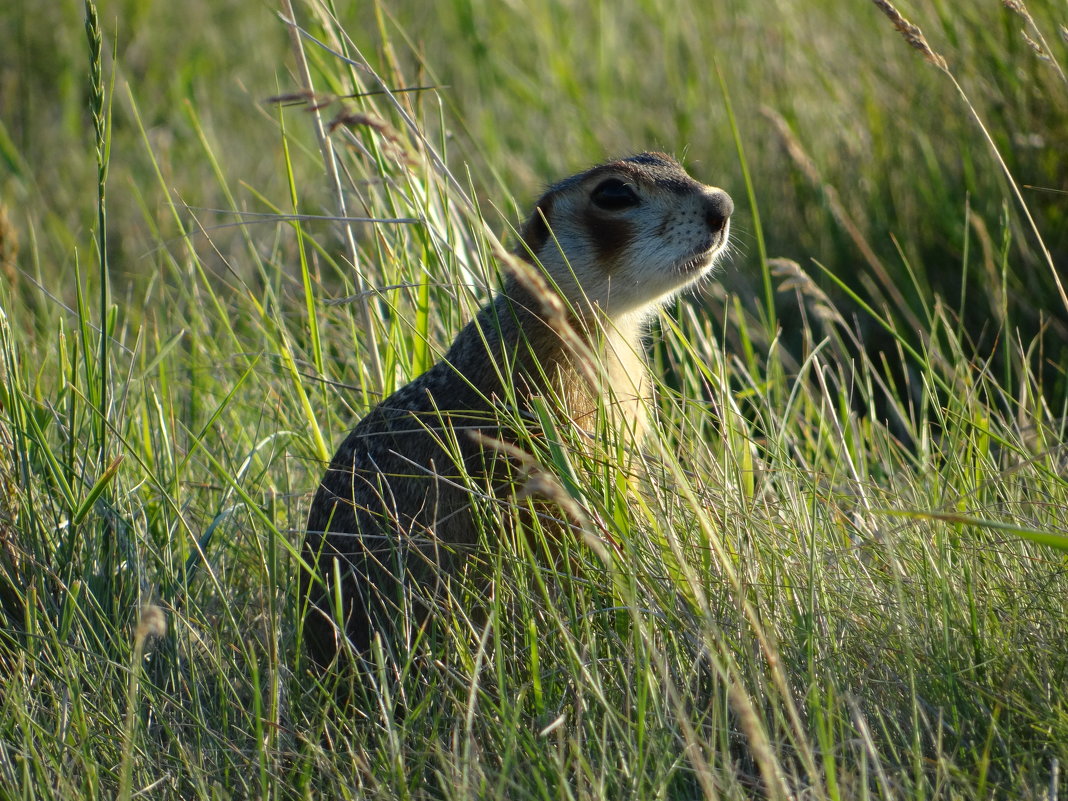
[[703, 257], [698, 263]]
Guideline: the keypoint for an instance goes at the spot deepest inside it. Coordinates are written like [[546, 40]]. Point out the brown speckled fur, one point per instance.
[[394, 515]]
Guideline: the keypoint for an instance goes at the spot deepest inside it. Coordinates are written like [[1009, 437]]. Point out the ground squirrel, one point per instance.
[[394, 515]]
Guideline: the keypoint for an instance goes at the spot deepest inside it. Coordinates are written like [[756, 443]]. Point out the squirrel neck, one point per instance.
[[587, 361]]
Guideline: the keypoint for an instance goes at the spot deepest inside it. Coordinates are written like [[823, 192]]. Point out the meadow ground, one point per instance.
[[843, 569]]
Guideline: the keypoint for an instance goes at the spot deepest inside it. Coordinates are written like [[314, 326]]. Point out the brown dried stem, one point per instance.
[[914, 36]]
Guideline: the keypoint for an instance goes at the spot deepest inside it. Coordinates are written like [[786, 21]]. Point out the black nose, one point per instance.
[[718, 209]]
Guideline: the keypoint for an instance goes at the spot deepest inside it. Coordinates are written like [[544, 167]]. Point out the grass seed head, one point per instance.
[[912, 33]]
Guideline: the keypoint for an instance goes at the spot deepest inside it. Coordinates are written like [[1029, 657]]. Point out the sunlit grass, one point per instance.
[[836, 571]]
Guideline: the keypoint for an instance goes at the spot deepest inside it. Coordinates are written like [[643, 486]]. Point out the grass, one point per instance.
[[843, 572]]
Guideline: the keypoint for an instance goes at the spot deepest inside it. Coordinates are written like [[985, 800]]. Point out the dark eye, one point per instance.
[[613, 195]]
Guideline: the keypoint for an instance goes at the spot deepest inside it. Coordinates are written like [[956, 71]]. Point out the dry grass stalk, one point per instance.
[[914, 36], [1038, 44], [552, 310], [330, 163], [775, 785], [314, 100], [838, 210], [992, 277], [794, 278], [1042, 54], [391, 141], [912, 33]]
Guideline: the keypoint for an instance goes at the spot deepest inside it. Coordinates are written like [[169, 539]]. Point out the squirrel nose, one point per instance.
[[718, 209]]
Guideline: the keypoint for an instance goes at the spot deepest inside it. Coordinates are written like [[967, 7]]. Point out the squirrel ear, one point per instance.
[[536, 230]]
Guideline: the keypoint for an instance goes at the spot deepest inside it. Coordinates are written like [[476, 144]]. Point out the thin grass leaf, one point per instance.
[[96, 491], [1051, 539]]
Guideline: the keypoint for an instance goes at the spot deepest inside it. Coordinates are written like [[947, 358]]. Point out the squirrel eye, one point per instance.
[[613, 195]]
